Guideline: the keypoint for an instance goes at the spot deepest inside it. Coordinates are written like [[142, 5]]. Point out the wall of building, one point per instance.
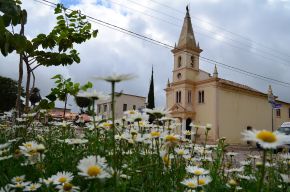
[[284, 115], [238, 110], [205, 112], [139, 102], [130, 100]]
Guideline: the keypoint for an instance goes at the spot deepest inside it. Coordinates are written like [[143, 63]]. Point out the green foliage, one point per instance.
[[11, 14], [83, 102], [71, 28], [8, 93], [151, 102]]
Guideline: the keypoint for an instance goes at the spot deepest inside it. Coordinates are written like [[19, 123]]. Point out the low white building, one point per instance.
[[122, 103]]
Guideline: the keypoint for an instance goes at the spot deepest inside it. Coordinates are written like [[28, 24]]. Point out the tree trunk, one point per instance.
[[27, 94], [20, 76], [65, 102], [19, 90]]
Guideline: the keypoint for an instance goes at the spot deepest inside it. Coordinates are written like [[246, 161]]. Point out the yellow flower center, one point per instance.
[[232, 182], [197, 172], [67, 186], [155, 134], [170, 138], [267, 136], [62, 180], [132, 112], [141, 123], [94, 171], [18, 185], [107, 124], [181, 152], [201, 181], [32, 187], [191, 185], [18, 179], [166, 160], [28, 145]]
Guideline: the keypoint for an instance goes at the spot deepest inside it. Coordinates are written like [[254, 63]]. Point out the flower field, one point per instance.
[[131, 154]]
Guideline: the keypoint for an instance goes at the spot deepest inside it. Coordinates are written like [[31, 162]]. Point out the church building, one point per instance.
[[198, 97]]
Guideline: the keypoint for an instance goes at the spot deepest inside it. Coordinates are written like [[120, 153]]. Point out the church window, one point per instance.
[[189, 97], [99, 108], [278, 113], [201, 96], [192, 61], [105, 107], [179, 61], [178, 96], [179, 75], [124, 107]]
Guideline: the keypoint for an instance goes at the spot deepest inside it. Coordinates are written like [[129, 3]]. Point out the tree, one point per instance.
[[35, 96], [64, 88], [150, 98], [55, 48], [8, 93]]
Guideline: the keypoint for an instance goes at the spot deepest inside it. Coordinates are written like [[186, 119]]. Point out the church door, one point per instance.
[[188, 128]]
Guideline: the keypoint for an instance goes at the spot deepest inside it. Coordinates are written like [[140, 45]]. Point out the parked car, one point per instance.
[[285, 129]]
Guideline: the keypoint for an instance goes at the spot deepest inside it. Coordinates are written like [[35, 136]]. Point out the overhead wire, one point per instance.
[[247, 47], [223, 29], [151, 40]]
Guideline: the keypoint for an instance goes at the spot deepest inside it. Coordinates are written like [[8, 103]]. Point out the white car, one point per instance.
[[285, 129]]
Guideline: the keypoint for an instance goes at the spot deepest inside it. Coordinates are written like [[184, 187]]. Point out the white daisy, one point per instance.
[[18, 179], [75, 141], [62, 177], [190, 183], [196, 170], [93, 167], [203, 180], [117, 78], [67, 187], [32, 187], [267, 139]]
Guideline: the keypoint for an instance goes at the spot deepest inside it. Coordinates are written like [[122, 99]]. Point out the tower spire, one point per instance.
[[215, 72], [186, 38]]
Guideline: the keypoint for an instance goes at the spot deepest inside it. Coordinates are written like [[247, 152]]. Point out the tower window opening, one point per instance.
[[179, 61], [192, 61]]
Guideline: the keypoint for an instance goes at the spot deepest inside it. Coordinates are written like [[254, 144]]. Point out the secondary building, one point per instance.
[[123, 103]]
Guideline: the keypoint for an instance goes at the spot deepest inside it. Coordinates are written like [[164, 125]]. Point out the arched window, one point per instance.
[[189, 97], [179, 61], [179, 75], [178, 96], [192, 61], [201, 96]]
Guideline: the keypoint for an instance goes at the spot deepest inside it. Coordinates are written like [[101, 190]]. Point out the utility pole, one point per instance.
[[271, 100]]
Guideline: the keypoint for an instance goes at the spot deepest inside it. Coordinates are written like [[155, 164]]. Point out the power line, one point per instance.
[[264, 54], [151, 40], [222, 28]]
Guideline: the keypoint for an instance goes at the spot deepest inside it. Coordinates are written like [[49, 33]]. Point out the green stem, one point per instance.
[[113, 137], [262, 172]]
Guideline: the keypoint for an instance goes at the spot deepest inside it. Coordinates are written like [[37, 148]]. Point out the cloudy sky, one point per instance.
[[250, 35]]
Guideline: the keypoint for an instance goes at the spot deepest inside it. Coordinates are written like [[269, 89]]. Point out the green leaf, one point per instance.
[[95, 33], [58, 76]]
